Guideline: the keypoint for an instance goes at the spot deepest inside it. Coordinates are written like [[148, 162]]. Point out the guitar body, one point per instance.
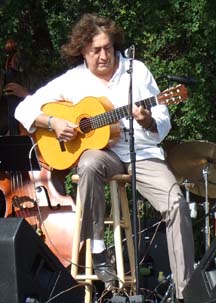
[[64, 155], [97, 125]]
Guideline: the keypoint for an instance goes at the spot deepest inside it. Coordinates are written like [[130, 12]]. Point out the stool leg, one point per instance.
[[128, 229], [76, 250], [88, 272], [76, 237], [117, 232]]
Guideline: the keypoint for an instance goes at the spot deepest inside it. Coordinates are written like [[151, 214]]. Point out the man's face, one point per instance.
[[99, 56]]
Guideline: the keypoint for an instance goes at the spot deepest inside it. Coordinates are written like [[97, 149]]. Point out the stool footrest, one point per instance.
[[94, 277], [86, 277], [122, 223]]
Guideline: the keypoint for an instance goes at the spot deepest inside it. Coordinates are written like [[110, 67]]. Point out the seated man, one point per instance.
[[99, 69]]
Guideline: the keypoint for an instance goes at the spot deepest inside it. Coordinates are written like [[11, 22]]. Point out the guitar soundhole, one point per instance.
[[85, 125]]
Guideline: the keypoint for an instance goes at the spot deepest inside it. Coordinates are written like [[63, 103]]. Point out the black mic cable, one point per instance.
[[180, 79]]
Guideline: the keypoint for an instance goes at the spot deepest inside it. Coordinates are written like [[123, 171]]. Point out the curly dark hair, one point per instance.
[[83, 33]]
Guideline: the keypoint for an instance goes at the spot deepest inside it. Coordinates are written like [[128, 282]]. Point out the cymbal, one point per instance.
[[199, 189], [192, 161]]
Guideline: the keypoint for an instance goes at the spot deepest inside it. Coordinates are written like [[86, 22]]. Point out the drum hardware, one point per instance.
[[212, 214], [195, 161], [215, 223], [170, 293], [206, 207], [192, 205], [193, 210]]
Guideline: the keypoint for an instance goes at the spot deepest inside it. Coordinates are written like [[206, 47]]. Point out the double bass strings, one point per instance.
[[37, 202]]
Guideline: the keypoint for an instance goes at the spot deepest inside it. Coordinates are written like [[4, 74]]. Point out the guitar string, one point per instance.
[[121, 112], [114, 115]]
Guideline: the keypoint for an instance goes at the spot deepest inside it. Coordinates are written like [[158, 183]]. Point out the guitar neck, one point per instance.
[[173, 95], [117, 114]]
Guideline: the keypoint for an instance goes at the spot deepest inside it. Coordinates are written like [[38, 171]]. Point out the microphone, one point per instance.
[[182, 80], [130, 52]]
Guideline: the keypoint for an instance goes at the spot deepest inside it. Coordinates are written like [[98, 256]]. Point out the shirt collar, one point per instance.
[[120, 70]]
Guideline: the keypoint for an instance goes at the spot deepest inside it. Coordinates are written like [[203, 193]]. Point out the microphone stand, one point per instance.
[[206, 206], [133, 167]]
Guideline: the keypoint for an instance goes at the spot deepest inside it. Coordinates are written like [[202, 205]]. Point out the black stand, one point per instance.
[[133, 166], [14, 154]]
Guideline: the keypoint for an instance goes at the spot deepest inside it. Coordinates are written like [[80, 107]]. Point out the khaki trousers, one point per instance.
[[158, 185]]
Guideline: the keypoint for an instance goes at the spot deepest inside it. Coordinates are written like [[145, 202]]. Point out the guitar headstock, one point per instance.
[[173, 95]]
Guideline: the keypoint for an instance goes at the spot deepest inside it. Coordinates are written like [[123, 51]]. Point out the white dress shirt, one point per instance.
[[79, 82]]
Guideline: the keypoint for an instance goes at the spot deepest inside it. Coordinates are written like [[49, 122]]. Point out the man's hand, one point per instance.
[[16, 90], [144, 118], [65, 130]]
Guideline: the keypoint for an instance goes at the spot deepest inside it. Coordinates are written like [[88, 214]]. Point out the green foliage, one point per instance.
[[173, 37], [70, 187]]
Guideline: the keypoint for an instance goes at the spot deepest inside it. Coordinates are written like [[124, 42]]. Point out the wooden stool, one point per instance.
[[121, 219]]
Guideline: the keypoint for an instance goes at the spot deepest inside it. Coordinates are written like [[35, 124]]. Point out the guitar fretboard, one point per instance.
[[116, 114]]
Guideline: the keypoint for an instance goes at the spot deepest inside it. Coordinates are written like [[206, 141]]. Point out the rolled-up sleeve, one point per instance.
[[30, 108], [26, 113], [161, 115]]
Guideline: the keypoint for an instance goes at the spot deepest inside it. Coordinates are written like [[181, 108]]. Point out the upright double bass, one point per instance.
[[38, 196]]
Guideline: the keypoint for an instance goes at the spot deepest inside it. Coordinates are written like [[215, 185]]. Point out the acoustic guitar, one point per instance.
[[97, 122]]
